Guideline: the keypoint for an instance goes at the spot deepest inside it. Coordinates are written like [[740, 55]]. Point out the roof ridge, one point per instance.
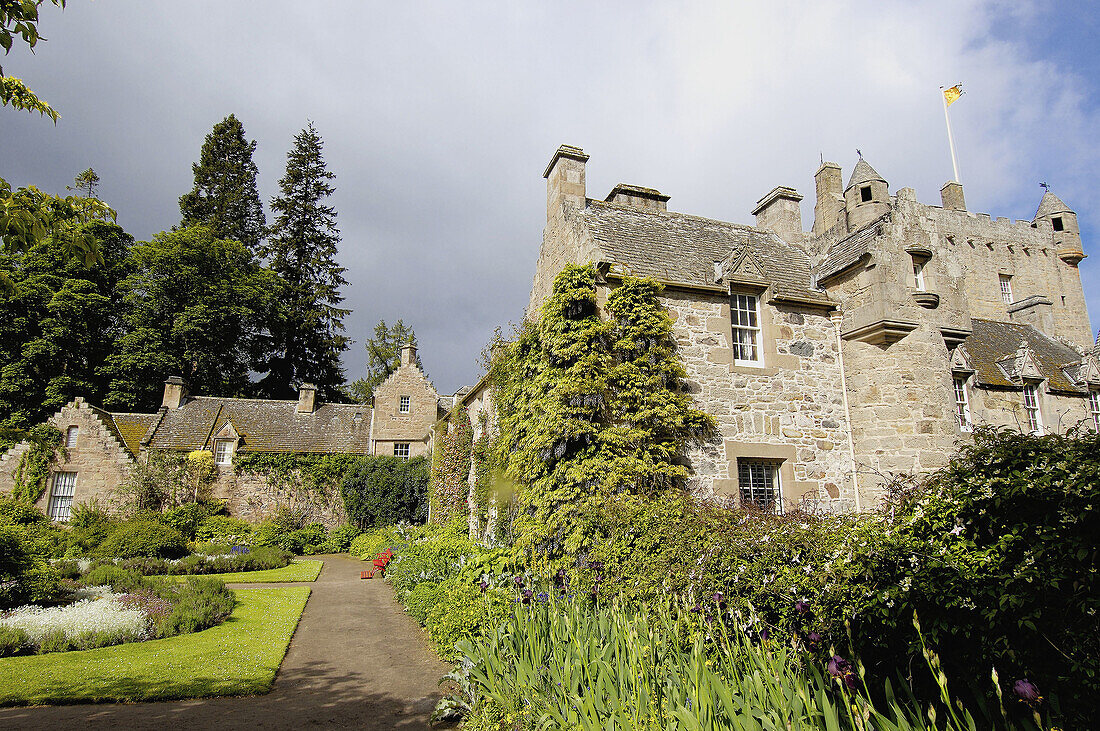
[[680, 214]]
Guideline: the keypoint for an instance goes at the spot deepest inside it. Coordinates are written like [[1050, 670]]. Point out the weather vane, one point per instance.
[[859, 153], [1044, 186]]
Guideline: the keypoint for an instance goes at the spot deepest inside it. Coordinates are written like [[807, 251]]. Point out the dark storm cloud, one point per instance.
[[439, 118]]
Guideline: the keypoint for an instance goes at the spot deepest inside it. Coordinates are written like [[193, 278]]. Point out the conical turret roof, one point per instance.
[[1050, 204], [863, 173]]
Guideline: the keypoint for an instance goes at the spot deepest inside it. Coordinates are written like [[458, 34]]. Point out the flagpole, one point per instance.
[[950, 138]]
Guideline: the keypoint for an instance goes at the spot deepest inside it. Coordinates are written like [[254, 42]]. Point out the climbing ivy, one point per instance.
[[591, 408], [451, 483], [317, 473], [34, 464], [482, 457]]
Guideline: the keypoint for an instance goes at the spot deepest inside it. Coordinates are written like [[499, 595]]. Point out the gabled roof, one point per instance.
[[132, 428], [682, 249], [265, 426], [1050, 204], [992, 343], [863, 173], [848, 250]]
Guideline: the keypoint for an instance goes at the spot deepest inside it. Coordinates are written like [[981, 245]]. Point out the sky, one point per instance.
[[439, 118]]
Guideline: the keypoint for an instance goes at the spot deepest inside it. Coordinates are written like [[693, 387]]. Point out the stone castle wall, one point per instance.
[[390, 425]]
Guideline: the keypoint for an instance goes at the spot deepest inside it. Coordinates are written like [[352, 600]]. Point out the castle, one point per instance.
[[869, 345], [100, 448]]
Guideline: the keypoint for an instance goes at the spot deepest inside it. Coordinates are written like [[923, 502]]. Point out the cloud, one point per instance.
[[438, 119]]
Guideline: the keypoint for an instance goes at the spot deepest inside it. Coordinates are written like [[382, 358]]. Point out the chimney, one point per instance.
[[1037, 311], [830, 197], [779, 211], [307, 398], [408, 354], [952, 196], [175, 393], [637, 196], [565, 181]]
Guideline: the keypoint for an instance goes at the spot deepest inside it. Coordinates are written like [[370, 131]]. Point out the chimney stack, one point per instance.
[[175, 393], [638, 197], [408, 354], [952, 196], [830, 197], [779, 211], [565, 186], [307, 398]]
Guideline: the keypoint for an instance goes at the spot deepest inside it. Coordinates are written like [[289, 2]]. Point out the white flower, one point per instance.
[[96, 610]]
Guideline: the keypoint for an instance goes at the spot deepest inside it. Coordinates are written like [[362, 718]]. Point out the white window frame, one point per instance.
[[746, 335], [227, 457], [1006, 288], [404, 404], [1033, 408], [401, 450], [753, 488], [62, 490], [918, 274], [71, 435], [962, 404], [1094, 408]]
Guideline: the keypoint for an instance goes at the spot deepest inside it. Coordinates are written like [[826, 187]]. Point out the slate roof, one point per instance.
[[682, 249], [863, 173], [993, 341], [847, 251], [265, 426], [1050, 204], [131, 429]]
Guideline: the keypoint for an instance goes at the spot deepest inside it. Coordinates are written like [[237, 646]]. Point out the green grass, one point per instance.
[[238, 657], [295, 571]]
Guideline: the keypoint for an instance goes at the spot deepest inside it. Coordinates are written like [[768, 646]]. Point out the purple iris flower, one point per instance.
[[1026, 691]]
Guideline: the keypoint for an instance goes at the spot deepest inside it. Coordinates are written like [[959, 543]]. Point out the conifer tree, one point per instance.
[[306, 332], [383, 357], [225, 197]]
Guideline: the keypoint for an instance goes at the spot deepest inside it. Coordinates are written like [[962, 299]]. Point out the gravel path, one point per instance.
[[356, 660]]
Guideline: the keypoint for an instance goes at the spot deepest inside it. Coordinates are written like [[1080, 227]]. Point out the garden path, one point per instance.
[[356, 660]]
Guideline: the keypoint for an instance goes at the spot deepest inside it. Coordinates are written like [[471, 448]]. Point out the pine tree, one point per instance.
[[383, 357], [306, 332], [225, 197]]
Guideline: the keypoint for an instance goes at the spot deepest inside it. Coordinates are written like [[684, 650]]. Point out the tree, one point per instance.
[[194, 306], [306, 330], [86, 182], [19, 20], [383, 357], [225, 197], [61, 317]]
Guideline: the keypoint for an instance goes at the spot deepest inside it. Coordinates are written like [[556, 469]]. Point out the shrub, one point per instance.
[[385, 490], [188, 517], [144, 538], [197, 605], [441, 554], [423, 597], [224, 529], [339, 539], [13, 641], [27, 540], [122, 581], [368, 545], [464, 612], [304, 540]]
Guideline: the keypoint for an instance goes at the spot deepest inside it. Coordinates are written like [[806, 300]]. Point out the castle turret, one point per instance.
[[1063, 221], [866, 197], [830, 197]]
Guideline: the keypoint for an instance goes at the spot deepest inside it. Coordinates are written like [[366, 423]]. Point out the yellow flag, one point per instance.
[[952, 95]]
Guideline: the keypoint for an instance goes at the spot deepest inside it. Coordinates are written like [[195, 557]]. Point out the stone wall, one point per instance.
[[253, 497], [1005, 407], [390, 425], [100, 461], [791, 410]]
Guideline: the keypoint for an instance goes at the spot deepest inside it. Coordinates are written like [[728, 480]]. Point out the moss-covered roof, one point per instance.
[[992, 343]]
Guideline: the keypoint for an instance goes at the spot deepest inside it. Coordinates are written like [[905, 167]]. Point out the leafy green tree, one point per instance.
[[195, 306], [225, 197], [19, 21], [306, 329], [60, 319], [590, 409], [383, 357]]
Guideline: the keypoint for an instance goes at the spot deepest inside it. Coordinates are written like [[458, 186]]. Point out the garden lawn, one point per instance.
[[238, 657], [294, 571]]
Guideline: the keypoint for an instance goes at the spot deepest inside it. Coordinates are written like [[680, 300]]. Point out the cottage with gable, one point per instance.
[[100, 448]]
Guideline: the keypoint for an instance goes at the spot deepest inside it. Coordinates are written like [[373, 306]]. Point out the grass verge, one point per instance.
[[238, 657], [297, 570]]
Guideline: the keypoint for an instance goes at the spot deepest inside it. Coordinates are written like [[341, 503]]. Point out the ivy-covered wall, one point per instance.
[[259, 484]]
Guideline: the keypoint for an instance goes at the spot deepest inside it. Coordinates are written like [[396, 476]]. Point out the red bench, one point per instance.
[[380, 562]]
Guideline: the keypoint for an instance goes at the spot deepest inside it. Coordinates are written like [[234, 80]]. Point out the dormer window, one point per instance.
[[1056, 222], [745, 313], [70, 436], [865, 194], [404, 404], [223, 451], [1006, 288]]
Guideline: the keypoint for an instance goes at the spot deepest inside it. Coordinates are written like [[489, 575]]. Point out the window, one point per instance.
[[962, 404], [1031, 408], [223, 451], [1094, 407], [406, 402], [1006, 288], [745, 311], [401, 449], [865, 194], [70, 436], [918, 274], [1057, 223], [759, 485], [61, 497]]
